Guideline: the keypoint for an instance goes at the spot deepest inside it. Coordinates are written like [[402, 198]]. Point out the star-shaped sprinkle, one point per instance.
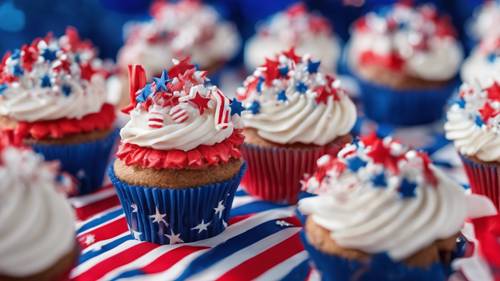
[[301, 87], [174, 238], [283, 70], [292, 55], [407, 188], [158, 217], [16, 54], [479, 121], [144, 93], [271, 71], [219, 209], [202, 226], [17, 70], [49, 55], [322, 95], [313, 66], [254, 107], [379, 180], [161, 83], [355, 163], [236, 107], [45, 81], [282, 96], [487, 112], [87, 71], [461, 103], [66, 89], [200, 102], [136, 234], [494, 91]]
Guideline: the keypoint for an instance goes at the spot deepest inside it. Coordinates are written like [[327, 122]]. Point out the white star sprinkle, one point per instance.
[[219, 209], [158, 217], [202, 226], [283, 223], [174, 238]]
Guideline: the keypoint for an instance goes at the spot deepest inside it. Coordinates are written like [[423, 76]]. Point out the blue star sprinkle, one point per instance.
[[45, 81], [301, 87], [66, 89], [479, 121], [355, 163], [283, 70], [461, 102], [144, 94], [16, 54], [18, 70], [379, 180], [491, 57], [3, 87], [236, 107], [161, 83], [49, 55], [254, 107], [313, 66], [407, 189], [282, 96]]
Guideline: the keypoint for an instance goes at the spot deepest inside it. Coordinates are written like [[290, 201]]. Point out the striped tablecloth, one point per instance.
[[260, 243]]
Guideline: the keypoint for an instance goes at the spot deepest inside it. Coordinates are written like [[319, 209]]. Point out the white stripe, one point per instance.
[[242, 200], [98, 245], [81, 268], [81, 201], [231, 261], [102, 224], [282, 269]]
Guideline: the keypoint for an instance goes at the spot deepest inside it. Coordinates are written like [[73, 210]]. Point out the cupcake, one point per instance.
[[296, 27], [484, 22], [473, 124], [185, 28], [295, 113], [483, 63], [405, 59], [37, 233], [384, 212], [179, 162], [53, 96]]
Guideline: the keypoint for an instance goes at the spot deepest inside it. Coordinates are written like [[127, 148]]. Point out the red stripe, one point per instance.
[[169, 259], [120, 259], [91, 209], [155, 120], [252, 268]]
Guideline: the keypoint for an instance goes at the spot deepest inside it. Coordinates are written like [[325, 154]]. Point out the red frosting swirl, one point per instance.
[[60, 128], [201, 156]]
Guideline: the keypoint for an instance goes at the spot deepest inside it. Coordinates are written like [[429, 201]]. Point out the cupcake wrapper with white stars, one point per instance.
[[86, 162], [172, 216]]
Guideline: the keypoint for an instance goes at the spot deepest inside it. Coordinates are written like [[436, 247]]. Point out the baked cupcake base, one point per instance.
[[275, 171], [484, 178], [337, 263], [167, 215]]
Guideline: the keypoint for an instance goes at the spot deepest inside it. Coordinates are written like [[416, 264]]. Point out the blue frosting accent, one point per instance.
[[187, 214]]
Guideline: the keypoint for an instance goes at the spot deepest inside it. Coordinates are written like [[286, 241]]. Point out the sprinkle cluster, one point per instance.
[[180, 94], [374, 163], [490, 48], [285, 76], [296, 23], [51, 63], [481, 105]]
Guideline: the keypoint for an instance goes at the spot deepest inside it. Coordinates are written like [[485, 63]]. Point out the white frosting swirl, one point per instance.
[[37, 222], [471, 130], [485, 20], [308, 33], [189, 29], [49, 91], [484, 62], [425, 54], [288, 116], [376, 217]]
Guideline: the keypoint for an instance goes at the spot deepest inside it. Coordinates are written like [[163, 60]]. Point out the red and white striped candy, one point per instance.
[[156, 117], [179, 114]]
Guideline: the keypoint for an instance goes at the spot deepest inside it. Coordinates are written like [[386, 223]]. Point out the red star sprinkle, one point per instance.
[[494, 92], [292, 55], [322, 94], [272, 71], [382, 155], [426, 162], [87, 71], [63, 65], [180, 68], [29, 57], [201, 102], [488, 112]]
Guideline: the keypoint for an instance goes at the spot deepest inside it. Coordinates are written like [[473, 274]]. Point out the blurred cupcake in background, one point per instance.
[[179, 162], [484, 22], [473, 124], [295, 113], [184, 28], [406, 59], [384, 212], [483, 64], [307, 32], [37, 233], [53, 96]]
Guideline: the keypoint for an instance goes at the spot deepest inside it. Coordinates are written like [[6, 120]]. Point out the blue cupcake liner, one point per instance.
[[86, 162], [379, 267], [182, 215]]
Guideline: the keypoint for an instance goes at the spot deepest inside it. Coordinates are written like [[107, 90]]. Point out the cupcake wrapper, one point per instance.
[[484, 179], [86, 162], [380, 267], [404, 107], [274, 173], [182, 215]]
